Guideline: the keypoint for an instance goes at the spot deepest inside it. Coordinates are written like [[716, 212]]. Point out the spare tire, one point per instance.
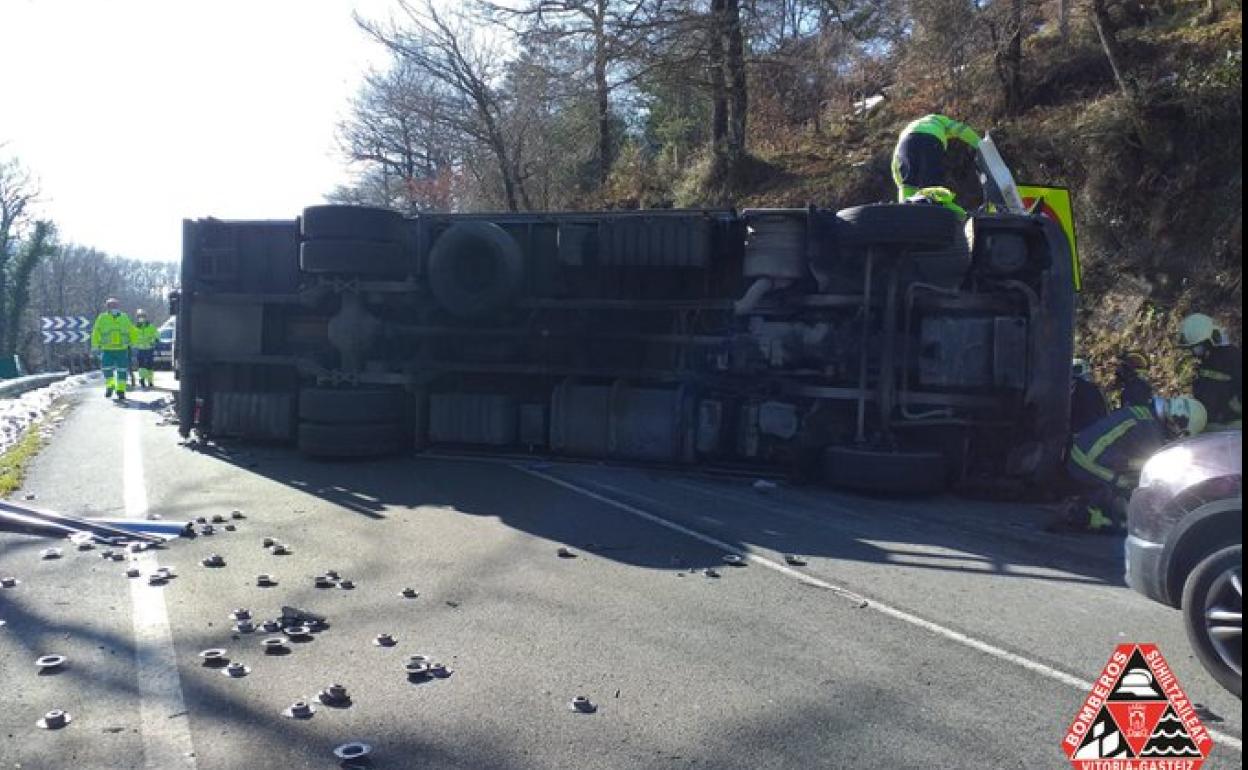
[[906, 225], [356, 223], [883, 471], [361, 258], [337, 406], [475, 268], [362, 440]]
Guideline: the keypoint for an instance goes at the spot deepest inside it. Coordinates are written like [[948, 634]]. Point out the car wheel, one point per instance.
[[1213, 612], [475, 268], [885, 472], [902, 225]]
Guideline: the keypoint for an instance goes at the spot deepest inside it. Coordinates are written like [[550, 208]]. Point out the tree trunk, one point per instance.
[[738, 96], [602, 92], [1014, 60], [1063, 19], [719, 89], [1113, 49]]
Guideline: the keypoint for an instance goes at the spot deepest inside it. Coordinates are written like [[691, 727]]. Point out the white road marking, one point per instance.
[[958, 637], [162, 708]]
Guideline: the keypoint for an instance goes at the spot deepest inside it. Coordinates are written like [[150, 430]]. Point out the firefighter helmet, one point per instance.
[[1185, 415], [1199, 329]]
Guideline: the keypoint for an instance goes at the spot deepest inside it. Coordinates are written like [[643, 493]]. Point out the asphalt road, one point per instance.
[[919, 633]]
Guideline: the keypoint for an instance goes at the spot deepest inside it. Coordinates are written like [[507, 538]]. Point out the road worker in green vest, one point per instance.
[[143, 341], [111, 337], [919, 159]]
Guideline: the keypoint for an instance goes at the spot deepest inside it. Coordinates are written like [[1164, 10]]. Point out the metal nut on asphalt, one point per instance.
[[214, 560], [242, 613], [299, 632], [266, 581], [346, 585], [215, 656], [794, 560], [323, 581], [55, 720], [439, 670], [280, 549], [9, 582], [711, 572], [564, 553], [157, 579], [353, 751], [132, 572], [385, 640], [200, 520], [274, 645], [409, 593], [230, 528], [269, 542], [50, 553], [167, 573], [332, 574], [734, 560], [236, 670], [300, 709], [207, 529], [335, 695], [136, 547], [271, 625], [237, 514], [50, 662], [245, 627], [582, 705], [218, 518]]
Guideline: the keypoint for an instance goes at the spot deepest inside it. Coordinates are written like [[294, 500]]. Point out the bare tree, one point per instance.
[[445, 49], [18, 192]]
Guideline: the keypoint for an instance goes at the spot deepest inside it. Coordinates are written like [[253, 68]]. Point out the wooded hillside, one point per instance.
[[1135, 105]]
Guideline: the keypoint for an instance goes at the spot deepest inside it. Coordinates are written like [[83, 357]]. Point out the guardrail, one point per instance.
[[19, 385]]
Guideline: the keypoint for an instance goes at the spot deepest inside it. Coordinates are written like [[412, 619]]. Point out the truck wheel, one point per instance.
[[359, 440], [876, 470], [346, 406], [909, 225], [362, 258], [355, 223], [475, 268], [1213, 613]]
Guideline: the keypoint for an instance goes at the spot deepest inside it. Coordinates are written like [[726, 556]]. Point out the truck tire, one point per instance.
[[354, 223], [346, 406], [909, 225], [1209, 588], [475, 268], [881, 471], [359, 440], [361, 258]]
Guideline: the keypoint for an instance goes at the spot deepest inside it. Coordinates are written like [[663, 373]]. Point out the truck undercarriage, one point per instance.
[[889, 347]]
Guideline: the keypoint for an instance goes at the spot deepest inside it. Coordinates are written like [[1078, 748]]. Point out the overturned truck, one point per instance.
[[890, 347]]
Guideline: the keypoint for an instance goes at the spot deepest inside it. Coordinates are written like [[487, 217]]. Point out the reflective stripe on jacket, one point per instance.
[[1114, 448], [943, 128], [111, 332], [143, 336], [1219, 384]]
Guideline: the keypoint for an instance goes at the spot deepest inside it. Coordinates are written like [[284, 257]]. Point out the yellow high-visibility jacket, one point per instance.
[[111, 332]]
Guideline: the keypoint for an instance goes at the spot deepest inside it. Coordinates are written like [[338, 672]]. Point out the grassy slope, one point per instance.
[[1159, 214]]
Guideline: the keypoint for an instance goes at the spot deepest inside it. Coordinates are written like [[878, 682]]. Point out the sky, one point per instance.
[[136, 114]]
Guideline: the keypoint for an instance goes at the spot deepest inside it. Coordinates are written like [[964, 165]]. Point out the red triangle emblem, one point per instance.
[[1136, 714]]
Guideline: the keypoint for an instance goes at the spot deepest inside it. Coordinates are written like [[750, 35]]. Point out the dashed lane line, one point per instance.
[[162, 707], [950, 634]]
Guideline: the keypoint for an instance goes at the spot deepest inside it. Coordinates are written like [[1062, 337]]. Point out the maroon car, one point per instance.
[[1185, 545]]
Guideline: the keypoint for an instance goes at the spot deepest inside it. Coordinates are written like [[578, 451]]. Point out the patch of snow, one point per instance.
[[18, 414]]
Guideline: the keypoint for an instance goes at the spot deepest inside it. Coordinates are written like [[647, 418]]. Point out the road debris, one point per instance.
[[353, 752], [214, 560], [271, 626], [565, 553], [237, 514], [323, 581], [218, 518], [346, 585], [133, 572], [50, 553], [55, 720], [157, 579], [208, 529], [794, 560], [385, 640], [266, 580], [275, 645], [280, 549], [298, 633], [582, 705], [711, 572], [269, 542], [8, 581], [336, 696], [245, 627], [764, 486], [230, 528], [214, 657], [294, 615], [236, 670], [50, 662], [409, 593], [734, 560], [300, 709]]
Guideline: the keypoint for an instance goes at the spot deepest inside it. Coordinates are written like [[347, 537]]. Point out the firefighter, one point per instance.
[[1219, 380], [143, 340], [919, 159], [111, 337], [1106, 459], [1087, 402], [1133, 389]]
